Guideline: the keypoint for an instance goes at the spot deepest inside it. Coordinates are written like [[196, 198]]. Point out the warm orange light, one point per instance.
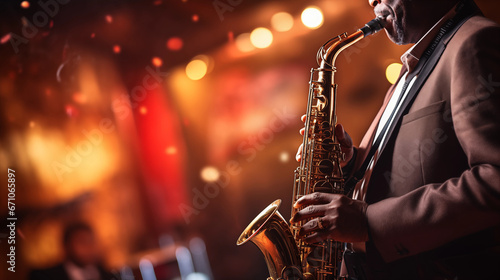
[[312, 17], [243, 43], [282, 22], [209, 174], [284, 157], [109, 18], [25, 4], [261, 37], [79, 98], [196, 69], [209, 61], [156, 61], [117, 49], [143, 110], [195, 18], [392, 72], [171, 150], [175, 44]]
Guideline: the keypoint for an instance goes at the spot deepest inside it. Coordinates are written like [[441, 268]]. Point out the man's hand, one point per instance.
[[334, 216], [343, 138]]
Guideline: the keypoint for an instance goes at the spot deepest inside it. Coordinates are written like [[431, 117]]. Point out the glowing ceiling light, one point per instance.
[[312, 17], [25, 4], [243, 43], [261, 37], [282, 22], [196, 69], [209, 174], [392, 72]]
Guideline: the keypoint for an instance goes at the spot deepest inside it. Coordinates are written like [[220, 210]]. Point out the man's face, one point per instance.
[[401, 18]]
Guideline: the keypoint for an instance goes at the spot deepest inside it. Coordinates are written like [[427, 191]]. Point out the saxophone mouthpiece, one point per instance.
[[374, 26]]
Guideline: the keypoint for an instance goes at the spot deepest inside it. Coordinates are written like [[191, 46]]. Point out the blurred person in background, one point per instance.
[[82, 258]]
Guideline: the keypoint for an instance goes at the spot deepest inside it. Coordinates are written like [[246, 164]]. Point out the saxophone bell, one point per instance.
[[272, 235]]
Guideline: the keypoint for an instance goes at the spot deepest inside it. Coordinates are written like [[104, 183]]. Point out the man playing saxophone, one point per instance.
[[425, 202]]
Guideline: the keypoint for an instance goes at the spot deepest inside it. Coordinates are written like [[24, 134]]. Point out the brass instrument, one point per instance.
[[286, 255]]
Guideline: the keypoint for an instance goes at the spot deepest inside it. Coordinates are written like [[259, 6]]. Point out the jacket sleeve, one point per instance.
[[436, 214]]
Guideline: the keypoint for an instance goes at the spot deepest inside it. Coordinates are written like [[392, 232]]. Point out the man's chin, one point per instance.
[[394, 36]]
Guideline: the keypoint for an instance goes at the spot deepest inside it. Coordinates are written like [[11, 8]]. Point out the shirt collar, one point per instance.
[[411, 57]]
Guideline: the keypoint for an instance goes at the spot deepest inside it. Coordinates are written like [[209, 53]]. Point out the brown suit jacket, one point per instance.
[[434, 194]]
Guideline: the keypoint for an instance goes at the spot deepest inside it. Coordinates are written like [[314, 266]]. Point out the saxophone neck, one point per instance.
[[336, 45]]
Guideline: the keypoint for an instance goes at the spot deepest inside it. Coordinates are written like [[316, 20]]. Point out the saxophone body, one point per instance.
[[288, 256]]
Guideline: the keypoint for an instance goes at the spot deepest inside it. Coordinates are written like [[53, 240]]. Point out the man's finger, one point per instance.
[[308, 212], [316, 237], [315, 198], [344, 138], [312, 226], [298, 156], [301, 131]]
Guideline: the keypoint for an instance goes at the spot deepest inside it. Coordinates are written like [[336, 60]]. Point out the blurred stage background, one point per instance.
[[161, 121]]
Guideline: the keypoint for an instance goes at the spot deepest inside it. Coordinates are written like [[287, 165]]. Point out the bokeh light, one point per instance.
[[243, 43], [261, 37], [79, 98], [171, 150], [117, 49], [209, 61], [392, 72], [284, 157], [109, 18], [175, 44], [195, 18], [196, 69], [25, 4], [5, 38], [156, 61], [312, 17], [209, 174], [282, 21]]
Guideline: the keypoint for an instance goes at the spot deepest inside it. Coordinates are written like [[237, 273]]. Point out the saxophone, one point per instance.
[[287, 256]]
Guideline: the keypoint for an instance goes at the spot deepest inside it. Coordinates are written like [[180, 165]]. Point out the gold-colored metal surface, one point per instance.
[[286, 254], [271, 233]]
